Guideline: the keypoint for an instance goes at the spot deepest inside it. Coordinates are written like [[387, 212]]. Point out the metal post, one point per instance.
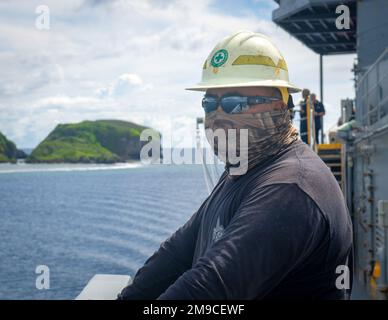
[[321, 76], [321, 90], [308, 124]]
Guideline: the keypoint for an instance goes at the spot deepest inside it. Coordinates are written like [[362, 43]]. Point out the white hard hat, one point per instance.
[[245, 59]]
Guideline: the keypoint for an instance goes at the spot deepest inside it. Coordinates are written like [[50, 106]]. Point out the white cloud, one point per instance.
[[65, 102], [131, 79], [123, 86], [130, 60]]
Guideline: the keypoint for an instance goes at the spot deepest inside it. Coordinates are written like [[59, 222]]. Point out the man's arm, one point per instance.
[[172, 259], [270, 234], [321, 109]]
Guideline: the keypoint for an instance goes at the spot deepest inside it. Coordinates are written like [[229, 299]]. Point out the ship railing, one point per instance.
[[372, 93]]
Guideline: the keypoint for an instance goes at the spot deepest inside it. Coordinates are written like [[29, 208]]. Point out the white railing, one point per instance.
[[104, 287]]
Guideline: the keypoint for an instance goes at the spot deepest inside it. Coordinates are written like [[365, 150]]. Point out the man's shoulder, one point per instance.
[[299, 179], [288, 166], [299, 165], [304, 167], [315, 178]]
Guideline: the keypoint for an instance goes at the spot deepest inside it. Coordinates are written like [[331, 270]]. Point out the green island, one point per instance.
[[8, 150], [100, 141]]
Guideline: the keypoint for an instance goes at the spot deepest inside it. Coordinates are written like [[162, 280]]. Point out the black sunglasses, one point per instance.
[[233, 103]]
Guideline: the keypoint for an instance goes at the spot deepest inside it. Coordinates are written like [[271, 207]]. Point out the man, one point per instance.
[[278, 231], [319, 112], [303, 115]]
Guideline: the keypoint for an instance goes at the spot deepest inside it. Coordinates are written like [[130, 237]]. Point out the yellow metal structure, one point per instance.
[[331, 153]]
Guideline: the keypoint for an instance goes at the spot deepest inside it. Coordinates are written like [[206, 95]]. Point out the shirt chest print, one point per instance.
[[218, 231]]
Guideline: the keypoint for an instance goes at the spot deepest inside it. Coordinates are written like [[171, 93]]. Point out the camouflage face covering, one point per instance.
[[243, 141]]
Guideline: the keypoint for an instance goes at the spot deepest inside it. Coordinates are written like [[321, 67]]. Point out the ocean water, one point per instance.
[[79, 220]]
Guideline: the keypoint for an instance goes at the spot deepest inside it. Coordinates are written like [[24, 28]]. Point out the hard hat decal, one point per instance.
[[260, 60], [219, 58]]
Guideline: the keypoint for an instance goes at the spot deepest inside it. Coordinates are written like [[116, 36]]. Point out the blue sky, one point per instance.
[[131, 60], [260, 8]]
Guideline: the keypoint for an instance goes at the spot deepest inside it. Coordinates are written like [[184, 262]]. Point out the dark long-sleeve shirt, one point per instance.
[[279, 231]]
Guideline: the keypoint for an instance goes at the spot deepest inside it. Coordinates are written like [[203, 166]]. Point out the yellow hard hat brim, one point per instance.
[[260, 83]]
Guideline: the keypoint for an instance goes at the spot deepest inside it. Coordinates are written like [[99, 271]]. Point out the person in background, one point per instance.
[[303, 115], [290, 107], [319, 112]]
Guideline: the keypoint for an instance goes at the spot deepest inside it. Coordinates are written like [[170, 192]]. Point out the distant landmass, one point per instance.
[[8, 150], [101, 141]]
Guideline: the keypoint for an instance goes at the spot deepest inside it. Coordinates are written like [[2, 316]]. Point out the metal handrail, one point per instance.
[[373, 65], [363, 86]]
